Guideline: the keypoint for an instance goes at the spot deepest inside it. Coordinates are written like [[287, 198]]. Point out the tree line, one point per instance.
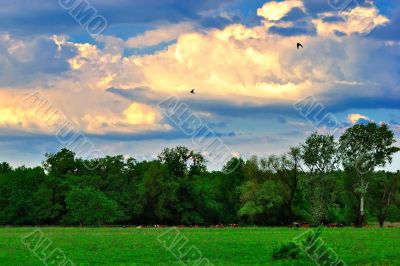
[[323, 180]]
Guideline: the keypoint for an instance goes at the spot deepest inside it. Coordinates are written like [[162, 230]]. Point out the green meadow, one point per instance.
[[222, 246]]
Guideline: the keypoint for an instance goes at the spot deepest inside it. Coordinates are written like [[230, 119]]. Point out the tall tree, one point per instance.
[[288, 168], [362, 149], [183, 166], [58, 167], [319, 154], [383, 192], [231, 179]]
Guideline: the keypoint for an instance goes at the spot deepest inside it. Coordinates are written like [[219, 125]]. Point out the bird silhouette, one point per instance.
[[192, 91], [299, 45]]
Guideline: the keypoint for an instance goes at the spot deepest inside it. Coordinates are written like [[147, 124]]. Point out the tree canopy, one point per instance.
[[319, 181]]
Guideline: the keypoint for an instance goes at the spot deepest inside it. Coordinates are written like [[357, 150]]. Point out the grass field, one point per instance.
[[229, 246]]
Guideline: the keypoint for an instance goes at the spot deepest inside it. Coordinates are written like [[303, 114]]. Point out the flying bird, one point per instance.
[[299, 45], [192, 91]]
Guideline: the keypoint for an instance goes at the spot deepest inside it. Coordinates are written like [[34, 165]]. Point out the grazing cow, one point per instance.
[[159, 226], [301, 225], [234, 225], [218, 226]]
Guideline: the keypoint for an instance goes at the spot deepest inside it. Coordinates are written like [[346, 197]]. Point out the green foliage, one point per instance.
[[383, 191], [87, 206], [367, 146], [320, 155], [286, 250], [362, 149], [5, 168], [19, 199], [176, 188], [259, 201]]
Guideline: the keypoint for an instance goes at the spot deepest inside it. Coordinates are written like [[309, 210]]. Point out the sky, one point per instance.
[[100, 69]]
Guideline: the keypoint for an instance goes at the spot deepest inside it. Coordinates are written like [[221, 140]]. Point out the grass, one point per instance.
[[226, 246]]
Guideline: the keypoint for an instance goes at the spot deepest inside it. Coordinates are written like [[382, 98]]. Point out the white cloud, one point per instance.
[[238, 64], [135, 118], [354, 118], [359, 20], [274, 11]]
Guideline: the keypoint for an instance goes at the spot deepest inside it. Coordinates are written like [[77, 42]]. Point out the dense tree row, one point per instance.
[[321, 181]]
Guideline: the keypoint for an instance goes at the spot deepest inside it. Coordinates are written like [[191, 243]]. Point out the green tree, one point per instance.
[[18, 202], [181, 161], [260, 201], [288, 169], [229, 183], [5, 168], [161, 194], [382, 192], [88, 206], [362, 149], [61, 163], [319, 154], [183, 166]]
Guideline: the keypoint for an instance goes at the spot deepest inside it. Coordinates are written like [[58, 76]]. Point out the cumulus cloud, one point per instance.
[[17, 113], [25, 59], [274, 11], [136, 118], [359, 20], [240, 68]]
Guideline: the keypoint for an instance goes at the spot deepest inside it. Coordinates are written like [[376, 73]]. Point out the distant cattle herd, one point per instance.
[[295, 224]]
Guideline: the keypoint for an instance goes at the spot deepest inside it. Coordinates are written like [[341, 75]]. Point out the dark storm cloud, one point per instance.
[[336, 103]]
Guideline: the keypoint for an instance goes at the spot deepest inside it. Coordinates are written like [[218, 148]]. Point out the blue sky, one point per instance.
[[240, 57]]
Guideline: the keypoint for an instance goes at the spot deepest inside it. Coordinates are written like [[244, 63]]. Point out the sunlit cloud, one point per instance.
[[359, 20], [274, 11], [354, 118], [238, 67]]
